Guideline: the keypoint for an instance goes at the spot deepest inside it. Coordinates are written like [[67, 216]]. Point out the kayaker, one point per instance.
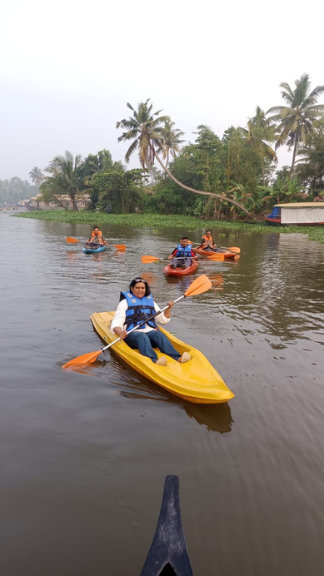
[[134, 306], [96, 237], [182, 255], [207, 243]]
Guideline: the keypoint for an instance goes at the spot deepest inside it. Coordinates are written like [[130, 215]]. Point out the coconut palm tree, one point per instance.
[[310, 166], [36, 176], [145, 130], [147, 135], [67, 177], [258, 133], [170, 141], [296, 119]]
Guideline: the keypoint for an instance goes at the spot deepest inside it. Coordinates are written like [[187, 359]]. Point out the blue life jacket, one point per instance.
[[183, 252], [138, 309]]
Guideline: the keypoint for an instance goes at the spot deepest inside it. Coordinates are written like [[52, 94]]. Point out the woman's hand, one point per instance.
[[167, 312], [120, 332]]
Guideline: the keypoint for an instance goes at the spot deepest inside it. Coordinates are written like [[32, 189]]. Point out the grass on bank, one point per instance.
[[156, 220]]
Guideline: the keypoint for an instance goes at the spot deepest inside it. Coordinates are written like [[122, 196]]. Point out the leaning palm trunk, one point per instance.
[[220, 196]]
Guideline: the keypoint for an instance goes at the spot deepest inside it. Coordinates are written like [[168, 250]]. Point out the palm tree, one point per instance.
[[145, 130], [170, 141], [147, 133], [296, 120], [310, 166], [36, 176], [67, 177], [258, 133]]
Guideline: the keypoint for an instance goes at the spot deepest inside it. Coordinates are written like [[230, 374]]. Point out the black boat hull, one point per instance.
[[168, 555]]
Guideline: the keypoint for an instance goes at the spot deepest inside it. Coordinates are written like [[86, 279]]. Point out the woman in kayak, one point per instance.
[[182, 255], [136, 305], [96, 238]]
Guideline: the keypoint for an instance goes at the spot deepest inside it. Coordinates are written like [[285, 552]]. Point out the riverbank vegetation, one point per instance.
[[229, 177], [14, 190], [186, 223]]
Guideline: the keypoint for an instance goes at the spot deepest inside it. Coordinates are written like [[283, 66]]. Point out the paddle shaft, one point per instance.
[[141, 323]]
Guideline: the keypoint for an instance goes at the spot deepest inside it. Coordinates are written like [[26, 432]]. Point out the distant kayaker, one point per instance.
[[136, 305], [207, 243], [182, 255], [96, 237]]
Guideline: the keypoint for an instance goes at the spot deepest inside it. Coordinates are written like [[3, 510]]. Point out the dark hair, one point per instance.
[[95, 227], [184, 238], [208, 231], [136, 281]]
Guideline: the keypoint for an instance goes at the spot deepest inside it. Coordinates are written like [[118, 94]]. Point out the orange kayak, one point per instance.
[[168, 271], [205, 253]]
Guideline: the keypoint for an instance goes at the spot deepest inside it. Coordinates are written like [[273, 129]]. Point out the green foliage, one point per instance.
[[159, 221], [310, 166], [67, 179], [36, 176], [170, 144], [296, 120], [286, 189], [144, 129], [117, 191], [15, 189]]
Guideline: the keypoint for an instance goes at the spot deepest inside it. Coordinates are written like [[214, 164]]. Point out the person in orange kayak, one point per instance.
[[96, 237], [182, 255], [136, 305], [207, 243]]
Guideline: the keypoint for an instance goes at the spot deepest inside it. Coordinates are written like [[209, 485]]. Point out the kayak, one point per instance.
[[205, 253], [168, 553], [196, 381], [101, 248], [168, 271]]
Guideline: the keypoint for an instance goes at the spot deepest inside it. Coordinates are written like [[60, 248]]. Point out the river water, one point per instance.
[[84, 455]]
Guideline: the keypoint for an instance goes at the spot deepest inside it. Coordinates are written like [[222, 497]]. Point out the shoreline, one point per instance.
[[315, 233]]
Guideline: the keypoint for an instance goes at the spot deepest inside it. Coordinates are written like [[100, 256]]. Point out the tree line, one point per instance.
[[226, 177], [15, 189]]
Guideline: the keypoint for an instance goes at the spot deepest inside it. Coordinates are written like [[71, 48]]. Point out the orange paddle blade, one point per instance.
[[216, 256], [234, 249], [72, 240], [84, 359], [198, 286], [149, 259], [120, 246]]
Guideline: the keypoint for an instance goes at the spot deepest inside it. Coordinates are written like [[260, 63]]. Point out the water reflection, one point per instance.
[[151, 278], [216, 417], [217, 281]]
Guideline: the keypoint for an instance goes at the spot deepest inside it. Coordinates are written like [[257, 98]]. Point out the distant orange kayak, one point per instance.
[[205, 253]]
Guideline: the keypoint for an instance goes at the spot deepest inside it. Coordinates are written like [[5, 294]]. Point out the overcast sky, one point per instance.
[[67, 68]]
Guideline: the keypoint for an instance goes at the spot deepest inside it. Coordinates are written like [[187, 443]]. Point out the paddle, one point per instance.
[[198, 286], [70, 240], [235, 249], [232, 249], [150, 259]]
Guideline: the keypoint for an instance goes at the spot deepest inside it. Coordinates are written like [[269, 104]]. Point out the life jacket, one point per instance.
[[208, 241], [138, 309], [183, 252], [96, 235]]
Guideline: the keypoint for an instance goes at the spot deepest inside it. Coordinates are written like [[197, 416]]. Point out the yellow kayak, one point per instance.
[[196, 381]]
